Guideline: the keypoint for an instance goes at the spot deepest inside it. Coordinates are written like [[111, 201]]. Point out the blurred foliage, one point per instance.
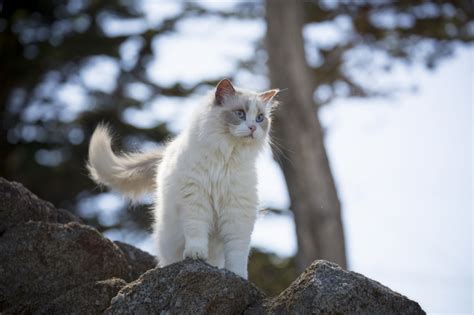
[[46, 44], [270, 272], [412, 31]]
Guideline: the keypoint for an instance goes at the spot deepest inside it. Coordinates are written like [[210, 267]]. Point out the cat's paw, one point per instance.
[[195, 252]]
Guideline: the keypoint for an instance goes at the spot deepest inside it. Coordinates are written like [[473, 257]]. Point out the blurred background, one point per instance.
[[372, 163]]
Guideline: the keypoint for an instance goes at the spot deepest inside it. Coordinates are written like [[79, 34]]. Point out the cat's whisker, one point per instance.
[[279, 150]]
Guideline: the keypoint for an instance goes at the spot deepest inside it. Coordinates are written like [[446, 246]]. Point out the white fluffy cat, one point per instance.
[[205, 179]]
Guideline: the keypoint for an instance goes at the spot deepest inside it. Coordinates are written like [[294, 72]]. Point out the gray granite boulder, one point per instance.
[[89, 298], [187, 287], [326, 288], [39, 261], [18, 204]]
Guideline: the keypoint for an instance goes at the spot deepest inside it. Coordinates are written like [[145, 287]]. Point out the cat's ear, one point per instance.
[[224, 89], [267, 96]]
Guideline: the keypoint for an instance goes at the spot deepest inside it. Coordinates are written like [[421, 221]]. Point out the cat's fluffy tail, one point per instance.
[[131, 174]]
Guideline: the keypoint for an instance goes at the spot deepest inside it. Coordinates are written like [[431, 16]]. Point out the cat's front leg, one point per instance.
[[196, 222], [235, 231], [236, 255]]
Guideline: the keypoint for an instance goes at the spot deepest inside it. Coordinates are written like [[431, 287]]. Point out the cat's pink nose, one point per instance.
[[253, 128]]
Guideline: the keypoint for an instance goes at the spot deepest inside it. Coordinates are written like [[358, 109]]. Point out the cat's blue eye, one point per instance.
[[240, 113], [259, 118]]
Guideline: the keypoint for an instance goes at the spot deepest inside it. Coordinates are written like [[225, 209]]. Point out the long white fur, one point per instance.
[[132, 174], [206, 195]]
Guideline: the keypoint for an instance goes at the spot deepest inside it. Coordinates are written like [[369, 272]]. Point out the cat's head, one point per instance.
[[245, 115]]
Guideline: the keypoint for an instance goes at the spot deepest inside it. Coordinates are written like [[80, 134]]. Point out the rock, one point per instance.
[[39, 261], [325, 288], [139, 261], [50, 263], [18, 204], [90, 298], [187, 287]]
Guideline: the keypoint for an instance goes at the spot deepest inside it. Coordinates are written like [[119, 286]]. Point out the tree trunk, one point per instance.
[[296, 128]]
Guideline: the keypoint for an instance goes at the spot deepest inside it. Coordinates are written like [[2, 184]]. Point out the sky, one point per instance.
[[402, 164]]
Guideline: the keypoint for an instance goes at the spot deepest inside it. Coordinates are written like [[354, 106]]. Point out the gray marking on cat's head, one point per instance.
[[230, 118]]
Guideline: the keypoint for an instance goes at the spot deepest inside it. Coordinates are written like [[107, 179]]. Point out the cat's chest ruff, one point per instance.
[[226, 178], [222, 173]]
